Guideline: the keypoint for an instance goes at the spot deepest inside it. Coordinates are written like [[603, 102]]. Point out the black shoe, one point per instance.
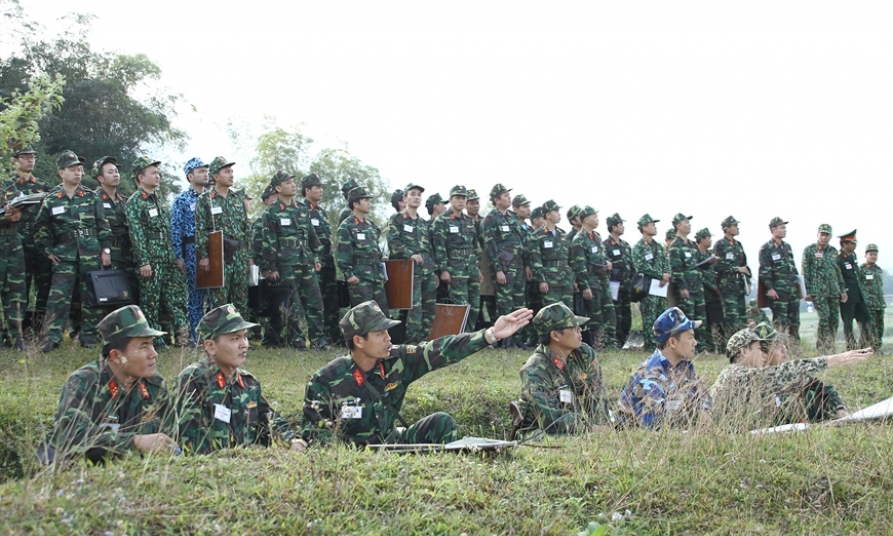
[[301, 347], [49, 346], [88, 343], [321, 347]]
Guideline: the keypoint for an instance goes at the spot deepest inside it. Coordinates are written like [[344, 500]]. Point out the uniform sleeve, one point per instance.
[[677, 266], [534, 243], [807, 265], [491, 245], [578, 263], [317, 423], [103, 229], [43, 233], [192, 433], [133, 210], [394, 236], [313, 242], [269, 243], [279, 428], [344, 258], [177, 216], [438, 353], [766, 276], [203, 225], [777, 377], [642, 403], [723, 265], [74, 430], [438, 238]]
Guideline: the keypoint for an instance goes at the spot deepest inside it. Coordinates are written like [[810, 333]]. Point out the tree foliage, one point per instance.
[[21, 111]]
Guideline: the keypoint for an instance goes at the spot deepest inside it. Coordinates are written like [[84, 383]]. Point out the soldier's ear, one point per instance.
[[358, 341], [210, 347]]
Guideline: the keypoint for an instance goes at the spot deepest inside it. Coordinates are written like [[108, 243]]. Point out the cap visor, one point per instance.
[[240, 326], [386, 323], [581, 320], [148, 332]]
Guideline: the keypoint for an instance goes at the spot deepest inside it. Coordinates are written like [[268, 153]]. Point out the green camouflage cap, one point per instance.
[[397, 196], [645, 220], [573, 212], [679, 217], [358, 193], [24, 150], [765, 332], [776, 221], [739, 341], [219, 163], [220, 321], [752, 304], [125, 323], [556, 316], [142, 163], [280, 177], [520, 200], [348, 186], [473, 195], [497, 190], [703, 233], [585, 212], [825, 228], [432, 200], [97, 165], [614, 219], [311, 180], [671, 233], [459, 190], [728, 222], [68, 159], [268, 191], [364, 318], [551, 205], [536, 213], [413, 186], [870, 247]]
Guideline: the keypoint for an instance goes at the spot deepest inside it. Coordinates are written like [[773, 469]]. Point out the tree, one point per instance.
[[20, 113], [334, 167]]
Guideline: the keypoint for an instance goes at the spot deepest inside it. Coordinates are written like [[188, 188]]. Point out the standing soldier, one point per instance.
[[105, 171], [291, 254], [398, 200], [359, 256], [223, 209], [273, 299], [733, 278], [686, 275], [161, 283], [778, 275], [183, 236], [312, 192], [476, 299], [71, 230], [668, 239], [12, 274], [536, 218], [549, 252], [456, 249], [345, 213], [824, 287], [650, 259], [712, 296], [532, 296], [591, 268], [573, 218], [623, 268], [854, 306], [873, 278]]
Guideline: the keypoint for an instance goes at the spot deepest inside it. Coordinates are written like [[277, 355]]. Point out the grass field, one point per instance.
[[828, 480]]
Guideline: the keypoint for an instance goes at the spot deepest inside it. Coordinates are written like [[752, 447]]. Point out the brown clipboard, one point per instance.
[[487, 286], [213, 278], [398, 287], [448, 320]]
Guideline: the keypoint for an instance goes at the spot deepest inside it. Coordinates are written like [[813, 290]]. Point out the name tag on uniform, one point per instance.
[[454, 229], [222, 413], [730, 256], [848, 266], [361, 236], [594, 249], [351, 412], [547, 244], [192, 207], [615, 252], [112, 426], [314, 222], [216, 210], [106, 205], [505, 228], [153, 212], [687, 254], [566, 396], [776, 257], [284, 221], [649, 256], [58, 210], [819, 255], [869, 277], [408, 228]]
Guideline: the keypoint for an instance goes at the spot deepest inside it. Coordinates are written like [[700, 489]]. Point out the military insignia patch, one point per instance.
[[252, 404], [391, 386]]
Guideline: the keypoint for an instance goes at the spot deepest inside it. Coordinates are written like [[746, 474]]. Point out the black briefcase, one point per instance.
[[108, 288], [639, 287]]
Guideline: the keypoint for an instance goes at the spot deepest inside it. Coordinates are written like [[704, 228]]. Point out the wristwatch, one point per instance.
[[107, 251]]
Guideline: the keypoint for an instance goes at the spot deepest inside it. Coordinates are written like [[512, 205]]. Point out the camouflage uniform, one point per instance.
[[456, 250], [731, 283], [474, 283], [549, 252], [345, 189], [686, 276], [756, 314], [150, 235], [358, 255], [588, 261], [855, 307], [779, 272], [214, 212], [12, 278], [431, 286], [873, 280], [328, 279], [564, 396], [183, 239], [343, 402], [213, 413], [504, 240], [650, 260], [623, 269], [712, 332], [824, 283]]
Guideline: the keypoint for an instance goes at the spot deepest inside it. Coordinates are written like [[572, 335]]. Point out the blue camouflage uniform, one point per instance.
[[183, 239]]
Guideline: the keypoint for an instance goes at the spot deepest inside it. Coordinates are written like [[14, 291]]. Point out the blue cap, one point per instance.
[[671, 322], [193, 164]]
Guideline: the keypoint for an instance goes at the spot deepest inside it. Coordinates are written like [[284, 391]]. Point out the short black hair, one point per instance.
[[352, 202], [611, 228], [351, 345], [119, 345], [546, 338], [677, 336]]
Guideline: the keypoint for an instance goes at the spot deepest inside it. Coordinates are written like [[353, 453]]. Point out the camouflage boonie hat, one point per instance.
[[280, 177], [413, 186], [671, 234], [311, 180], [358, 193], [126, 323], [645, 220], [703, 233], [268, 191], [192, 165], [220, 321], [433, 199], [142, 163], [680, 217], [497, 190], [97, 165], [473, 195], [520, 200], [614, 219], [68, 159], [551, 205], [556, 316], [573, 212], [348, 186], [459, 190], [776, 221], [219, 163], [728, 222], [870, 247], [739, 341], [585, 212], [671, 322], [536, 213], [364, 318], [24, 150], [825, 228], [765, 332]]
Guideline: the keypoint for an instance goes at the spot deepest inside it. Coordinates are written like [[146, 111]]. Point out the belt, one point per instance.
[[554, 263], [119, 242], [365, 262], [460, 253], [155, 236], [71, 236], [189, 239], [9, 231], [291, 240]]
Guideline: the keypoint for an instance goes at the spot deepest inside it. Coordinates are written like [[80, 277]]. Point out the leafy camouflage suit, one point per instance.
[[855, 306], [358, 255], [588, 261], [214, 212], [457, 251], [651, 261], [731, 283], [778, 271], [873, 279], [327, 277], [683, 258], [406, 237], [623, 269], [12, 277], [824, 283]]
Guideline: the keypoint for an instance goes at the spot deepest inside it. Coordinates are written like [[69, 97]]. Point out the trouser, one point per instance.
[[12, 287], [235, 285], [413, 318], [284, 309], [828, 311], [328, 287], [559, 293], [165, 289], [651, 307], [429, 300], [435, 428], [67, 275], [786, 314], [877, 325], [857, 310], [38, 274], [474, 299], [734, 312], [713, 332], [367, 290], [195, 309], [307, 294], [624, 312], [817, 401], [602, 323], [510, 296], [695, 308]]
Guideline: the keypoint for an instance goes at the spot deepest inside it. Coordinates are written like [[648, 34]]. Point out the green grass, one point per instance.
[[833, 480]]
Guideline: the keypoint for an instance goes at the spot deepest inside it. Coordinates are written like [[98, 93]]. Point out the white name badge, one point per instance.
[[106, 205], [594, 249], [351, 412], [505, 228], [222, 413], [314, 222], [848, 266], [566, 396], [615, 252], [284, 221], [58, 210], [819, 255], [153, 212], [687, 254], [730, 256], [192, 207], [776, 257], [869, 277], [408, 228], [547, 244], [649, 256], [361, 236], [216, 210], [454, 229]]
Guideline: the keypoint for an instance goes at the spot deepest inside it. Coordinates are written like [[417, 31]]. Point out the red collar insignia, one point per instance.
[[358, 377], [60, 194], [80, 193], [381, 369], [221, 380], [281, 206], [239, 379], [105, 195], [558, 363], [143, 391], [113, 388], [144, 195]]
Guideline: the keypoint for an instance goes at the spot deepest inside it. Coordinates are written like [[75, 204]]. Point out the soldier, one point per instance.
[[712, 295], [12, 274], [398, 200], [733, 277], [536, 218], [476, 299], [72, 232], [623, 269], [38, 268], [117, 403], [591, 268], [218, 404], [854, 306], [665, 391], [345, 213], [778, 275], [105, 171], [650, 259], [824, 287], [573, 218], [359, 257], [562, 388], [223, 209], [755, 315], [532, 296], [456, 248], [435, 206], [689, 289], [161, 283], [873, 280], [291, 252], [183, 236], [273, 297], [357, 398], [549, 251], [668, 239], [312, 192]]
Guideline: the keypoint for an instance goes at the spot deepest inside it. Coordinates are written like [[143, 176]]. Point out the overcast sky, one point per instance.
[[754, 109]]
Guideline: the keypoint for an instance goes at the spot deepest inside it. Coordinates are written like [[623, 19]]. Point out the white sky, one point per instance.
[[754, 109]]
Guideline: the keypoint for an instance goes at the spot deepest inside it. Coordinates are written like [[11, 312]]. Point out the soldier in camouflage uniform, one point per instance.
[[755, 315], [536, 218], [778, 275], [573, 218], [873, 280], [668, 239], [665, 391], [275, 294], [117, 403], [476, 300], [854, 307], [357, 398], [12, 274], [650, 260], [456, 248], [733, 277], [183, 236], [533, 297], [689, 289], [312, 192], [824, 287], [345, 213], [562, 388], [221, 208], [549, 252], [218, 405], [591, 268], [105, 171], [359, 256], [161, 283], [71, 230], [623, 269], [398, 200], [712, 295]]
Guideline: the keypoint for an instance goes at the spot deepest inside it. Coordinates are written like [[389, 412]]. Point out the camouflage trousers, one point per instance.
[[166, 288], [474, 300], [511, 295], [877, 326], [67, 275], [435, 428], [816, 402], [412, 319], [786, 315], [602, 318], [734, 312], [624, 312], [533, 302], [328, 287], [859, 311], [235, 288], [559, 293], [695, 308], [714, 341], [307, 300], [651, 307], [38, 274], [195, 308], [429, 300], [369, 289], [828, 311], [280, 299], [12, 286]]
